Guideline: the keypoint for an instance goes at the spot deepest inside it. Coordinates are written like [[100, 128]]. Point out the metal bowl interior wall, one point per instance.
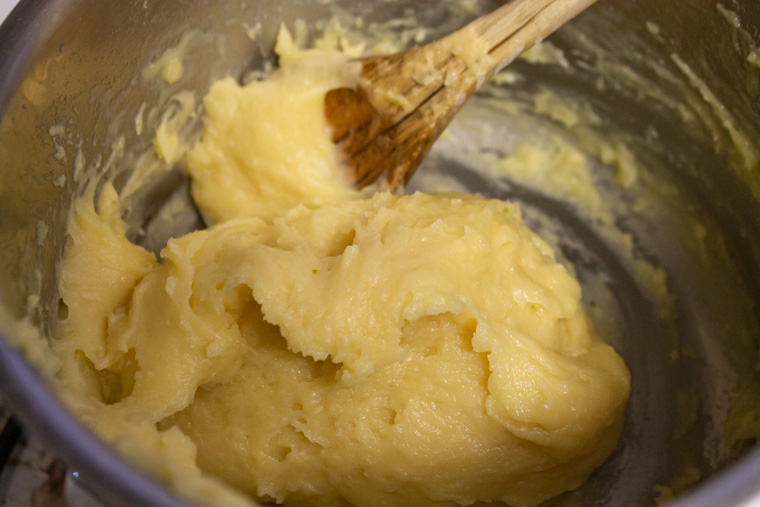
[[662, 75]]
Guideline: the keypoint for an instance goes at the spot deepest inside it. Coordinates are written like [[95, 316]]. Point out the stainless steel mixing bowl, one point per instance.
[[675, 80]]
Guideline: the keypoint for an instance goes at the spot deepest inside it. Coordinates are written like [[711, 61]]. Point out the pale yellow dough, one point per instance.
[[385, 351], [314, 346]]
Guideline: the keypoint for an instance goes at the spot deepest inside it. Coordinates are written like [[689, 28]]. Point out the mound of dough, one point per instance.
[[390, 351], [321, 346]]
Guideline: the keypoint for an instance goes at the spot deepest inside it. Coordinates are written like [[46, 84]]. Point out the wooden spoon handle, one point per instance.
[[518, 25], [401, 83]]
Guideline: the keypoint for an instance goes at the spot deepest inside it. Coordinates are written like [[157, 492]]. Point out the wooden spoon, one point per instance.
[[389, 123]]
